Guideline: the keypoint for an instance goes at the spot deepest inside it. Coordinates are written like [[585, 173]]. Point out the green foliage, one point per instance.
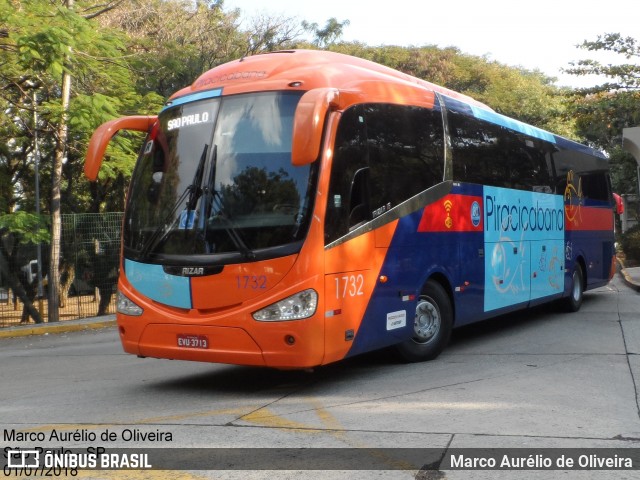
[[603, 111], [623, 76], [27, 227], [529, 96], [327, 35], [44, 39], [631, 244], [172, 42], [127, 57], [600, 118]]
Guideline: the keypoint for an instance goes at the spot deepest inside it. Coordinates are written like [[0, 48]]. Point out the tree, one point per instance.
[[16, 230], [329, 34], [43, 44], [603, 111], [173, 42], [621, 77], [529, 96], [267, 34]]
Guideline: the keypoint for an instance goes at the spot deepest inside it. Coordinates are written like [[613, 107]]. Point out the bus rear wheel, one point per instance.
[[573, 302], [432, 325]]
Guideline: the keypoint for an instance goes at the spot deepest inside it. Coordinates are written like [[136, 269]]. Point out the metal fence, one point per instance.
[[88, 270]]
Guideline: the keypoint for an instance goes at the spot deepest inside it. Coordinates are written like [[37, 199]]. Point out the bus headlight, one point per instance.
[[126, 306], [296, 307]]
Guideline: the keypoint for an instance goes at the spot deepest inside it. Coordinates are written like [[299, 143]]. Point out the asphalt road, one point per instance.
[[538, 379]]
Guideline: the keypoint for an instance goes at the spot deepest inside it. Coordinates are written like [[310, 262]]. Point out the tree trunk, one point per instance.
[[67, 275], [56, 179]]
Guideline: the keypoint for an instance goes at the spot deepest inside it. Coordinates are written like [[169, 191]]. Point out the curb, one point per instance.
[[59, 327], [626, 277], [629, 281]]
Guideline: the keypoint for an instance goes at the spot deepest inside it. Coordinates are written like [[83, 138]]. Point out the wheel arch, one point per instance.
[[579, 260], [444, 282]]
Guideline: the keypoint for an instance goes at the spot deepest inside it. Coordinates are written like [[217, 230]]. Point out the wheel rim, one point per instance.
[[577, 286], [427, 321]]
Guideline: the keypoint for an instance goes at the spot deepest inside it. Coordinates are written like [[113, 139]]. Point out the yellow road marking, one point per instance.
[[138, 475], [266, 418]]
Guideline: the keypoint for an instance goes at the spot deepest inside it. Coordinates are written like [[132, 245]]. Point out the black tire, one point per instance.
[[433, 322], [573, 302]]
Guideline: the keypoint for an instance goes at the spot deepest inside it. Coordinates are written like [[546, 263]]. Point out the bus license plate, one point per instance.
[[192, 341]]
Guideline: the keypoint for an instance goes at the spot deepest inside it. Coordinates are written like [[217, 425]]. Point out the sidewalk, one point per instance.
[[631, 277], [58, 327]]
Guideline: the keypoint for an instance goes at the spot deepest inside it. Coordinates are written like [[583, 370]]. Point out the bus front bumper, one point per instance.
[[217, 344]]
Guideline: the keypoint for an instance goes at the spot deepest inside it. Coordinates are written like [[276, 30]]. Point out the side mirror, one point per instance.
[[619, 204], [308, 124], [103, 134]]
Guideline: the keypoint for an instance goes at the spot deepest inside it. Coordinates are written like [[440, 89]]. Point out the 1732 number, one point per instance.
[[349, 286]]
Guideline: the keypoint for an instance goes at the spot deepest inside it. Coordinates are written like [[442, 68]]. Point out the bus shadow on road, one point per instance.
[[244, 380], [511, 322]]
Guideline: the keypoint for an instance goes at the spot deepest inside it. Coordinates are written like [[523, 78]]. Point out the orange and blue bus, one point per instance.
[[295, 208]]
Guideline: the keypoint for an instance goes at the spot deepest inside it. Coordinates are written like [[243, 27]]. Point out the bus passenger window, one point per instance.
[[489, 154], [406, 152], [595, 186], [587, 173]]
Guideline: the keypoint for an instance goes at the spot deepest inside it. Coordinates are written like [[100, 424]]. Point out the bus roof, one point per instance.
[[306, 70], [309, 69]]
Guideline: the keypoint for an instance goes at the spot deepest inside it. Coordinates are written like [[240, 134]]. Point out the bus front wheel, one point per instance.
[[432, 326]]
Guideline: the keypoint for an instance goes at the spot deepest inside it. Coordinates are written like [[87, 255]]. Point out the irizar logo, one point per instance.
[[192, 271]]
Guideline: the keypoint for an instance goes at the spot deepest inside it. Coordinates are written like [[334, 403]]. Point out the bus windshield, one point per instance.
[[215, 178]]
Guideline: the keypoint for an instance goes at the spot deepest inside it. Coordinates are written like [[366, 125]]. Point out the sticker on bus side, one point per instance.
[[396, 319], [524, 241], [518, 214]]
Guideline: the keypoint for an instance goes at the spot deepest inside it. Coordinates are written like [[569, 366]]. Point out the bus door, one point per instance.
[[350, 252], [386, 158]]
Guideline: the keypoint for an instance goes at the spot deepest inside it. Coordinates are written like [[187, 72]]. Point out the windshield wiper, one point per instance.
[[194, 190], [211, 195], [228, 227]]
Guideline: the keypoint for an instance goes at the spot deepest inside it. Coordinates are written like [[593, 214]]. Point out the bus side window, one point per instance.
[[397, 155], [595, 186], [347, 187], [473, 148], [586, 173], [489, 154], [406, 152]]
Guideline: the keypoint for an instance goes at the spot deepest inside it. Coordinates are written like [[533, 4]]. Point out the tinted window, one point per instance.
[[490, 154], [595, 186], [215, 177], [405, 152], [583, 169], [349, 157], [384, 154]]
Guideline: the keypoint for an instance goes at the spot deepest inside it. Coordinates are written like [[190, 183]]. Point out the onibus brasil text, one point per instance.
[[95, 457]]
